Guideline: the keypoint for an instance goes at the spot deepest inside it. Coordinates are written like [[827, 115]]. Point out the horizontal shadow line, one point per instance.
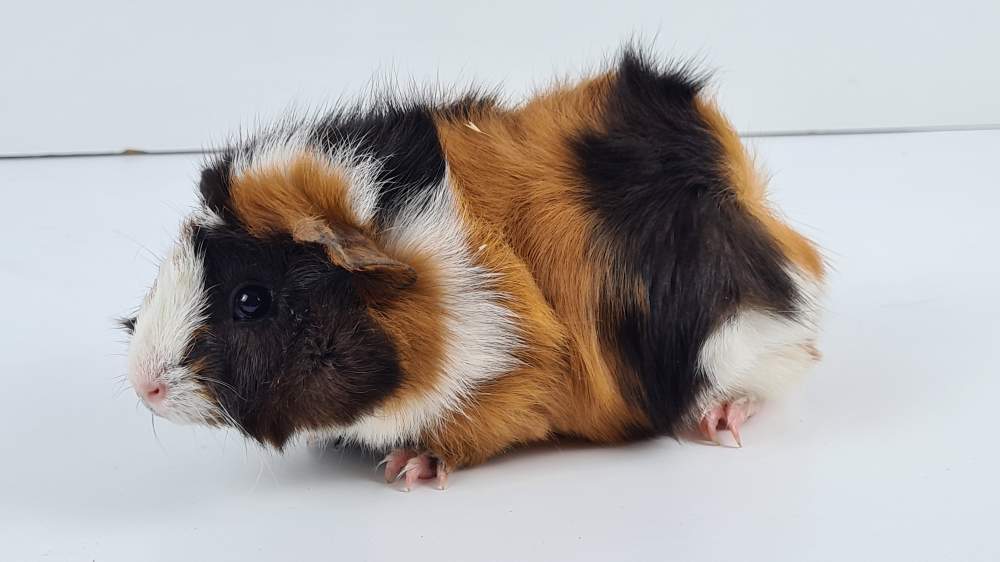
[[871, 131], [746, 134]]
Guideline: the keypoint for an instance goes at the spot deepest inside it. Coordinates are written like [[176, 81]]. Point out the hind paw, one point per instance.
[[727, 415]]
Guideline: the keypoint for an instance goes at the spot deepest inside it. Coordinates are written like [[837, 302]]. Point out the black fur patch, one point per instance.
[[400, 136], [656, 181], [469, 107], [315, 360], [214, 187], [403, 138]]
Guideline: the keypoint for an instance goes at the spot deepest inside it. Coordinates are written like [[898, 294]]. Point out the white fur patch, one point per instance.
[[276, 148], [165, 324], [481, 333], [206, 218], [759, 353]]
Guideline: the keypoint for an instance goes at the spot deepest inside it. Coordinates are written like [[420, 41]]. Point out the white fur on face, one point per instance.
[[165, 325], [760, 353]]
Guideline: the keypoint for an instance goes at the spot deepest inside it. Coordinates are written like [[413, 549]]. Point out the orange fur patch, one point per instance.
[[277, 199], [520, 406], [414, 320], [517, 172]]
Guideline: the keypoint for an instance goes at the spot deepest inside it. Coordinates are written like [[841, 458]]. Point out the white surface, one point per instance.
[[111, 74], [885, 453]]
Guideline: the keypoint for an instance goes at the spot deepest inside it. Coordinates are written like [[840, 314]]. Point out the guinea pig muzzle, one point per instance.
[[152, 391]]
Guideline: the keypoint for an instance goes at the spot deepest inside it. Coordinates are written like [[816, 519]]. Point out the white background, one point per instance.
[[107, 74]]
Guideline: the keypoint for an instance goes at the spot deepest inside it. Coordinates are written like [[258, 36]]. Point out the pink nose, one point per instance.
[[154, 393]]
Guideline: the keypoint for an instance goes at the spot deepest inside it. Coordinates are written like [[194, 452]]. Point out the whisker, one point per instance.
[[159, 259], [121, 390], [152, 423], [260, 472], [229, 418], [223, 384]]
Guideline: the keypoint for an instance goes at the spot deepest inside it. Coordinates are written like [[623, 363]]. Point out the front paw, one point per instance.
[[411, 466]]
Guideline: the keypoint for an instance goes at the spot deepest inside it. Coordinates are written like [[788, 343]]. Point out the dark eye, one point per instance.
[[251, 302]]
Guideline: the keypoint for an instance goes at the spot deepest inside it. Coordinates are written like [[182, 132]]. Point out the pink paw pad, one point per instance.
[[412, 466], [727, 415]]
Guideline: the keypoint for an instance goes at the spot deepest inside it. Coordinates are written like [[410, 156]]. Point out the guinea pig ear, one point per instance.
[[350, 249]]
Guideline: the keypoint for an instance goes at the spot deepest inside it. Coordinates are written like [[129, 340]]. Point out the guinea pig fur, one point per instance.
[[443, 281]]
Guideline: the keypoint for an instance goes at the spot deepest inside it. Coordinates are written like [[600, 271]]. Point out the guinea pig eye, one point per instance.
[[251, 302]]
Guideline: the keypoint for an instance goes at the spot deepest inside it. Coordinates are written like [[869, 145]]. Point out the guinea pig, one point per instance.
[[443, 281]]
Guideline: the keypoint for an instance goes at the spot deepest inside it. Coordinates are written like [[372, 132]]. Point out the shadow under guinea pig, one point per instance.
[[335, 461]]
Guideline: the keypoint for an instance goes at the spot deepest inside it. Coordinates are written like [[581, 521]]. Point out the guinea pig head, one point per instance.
[[268, 331]]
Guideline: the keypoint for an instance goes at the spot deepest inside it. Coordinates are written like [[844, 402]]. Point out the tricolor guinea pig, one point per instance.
[[443, 281]]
